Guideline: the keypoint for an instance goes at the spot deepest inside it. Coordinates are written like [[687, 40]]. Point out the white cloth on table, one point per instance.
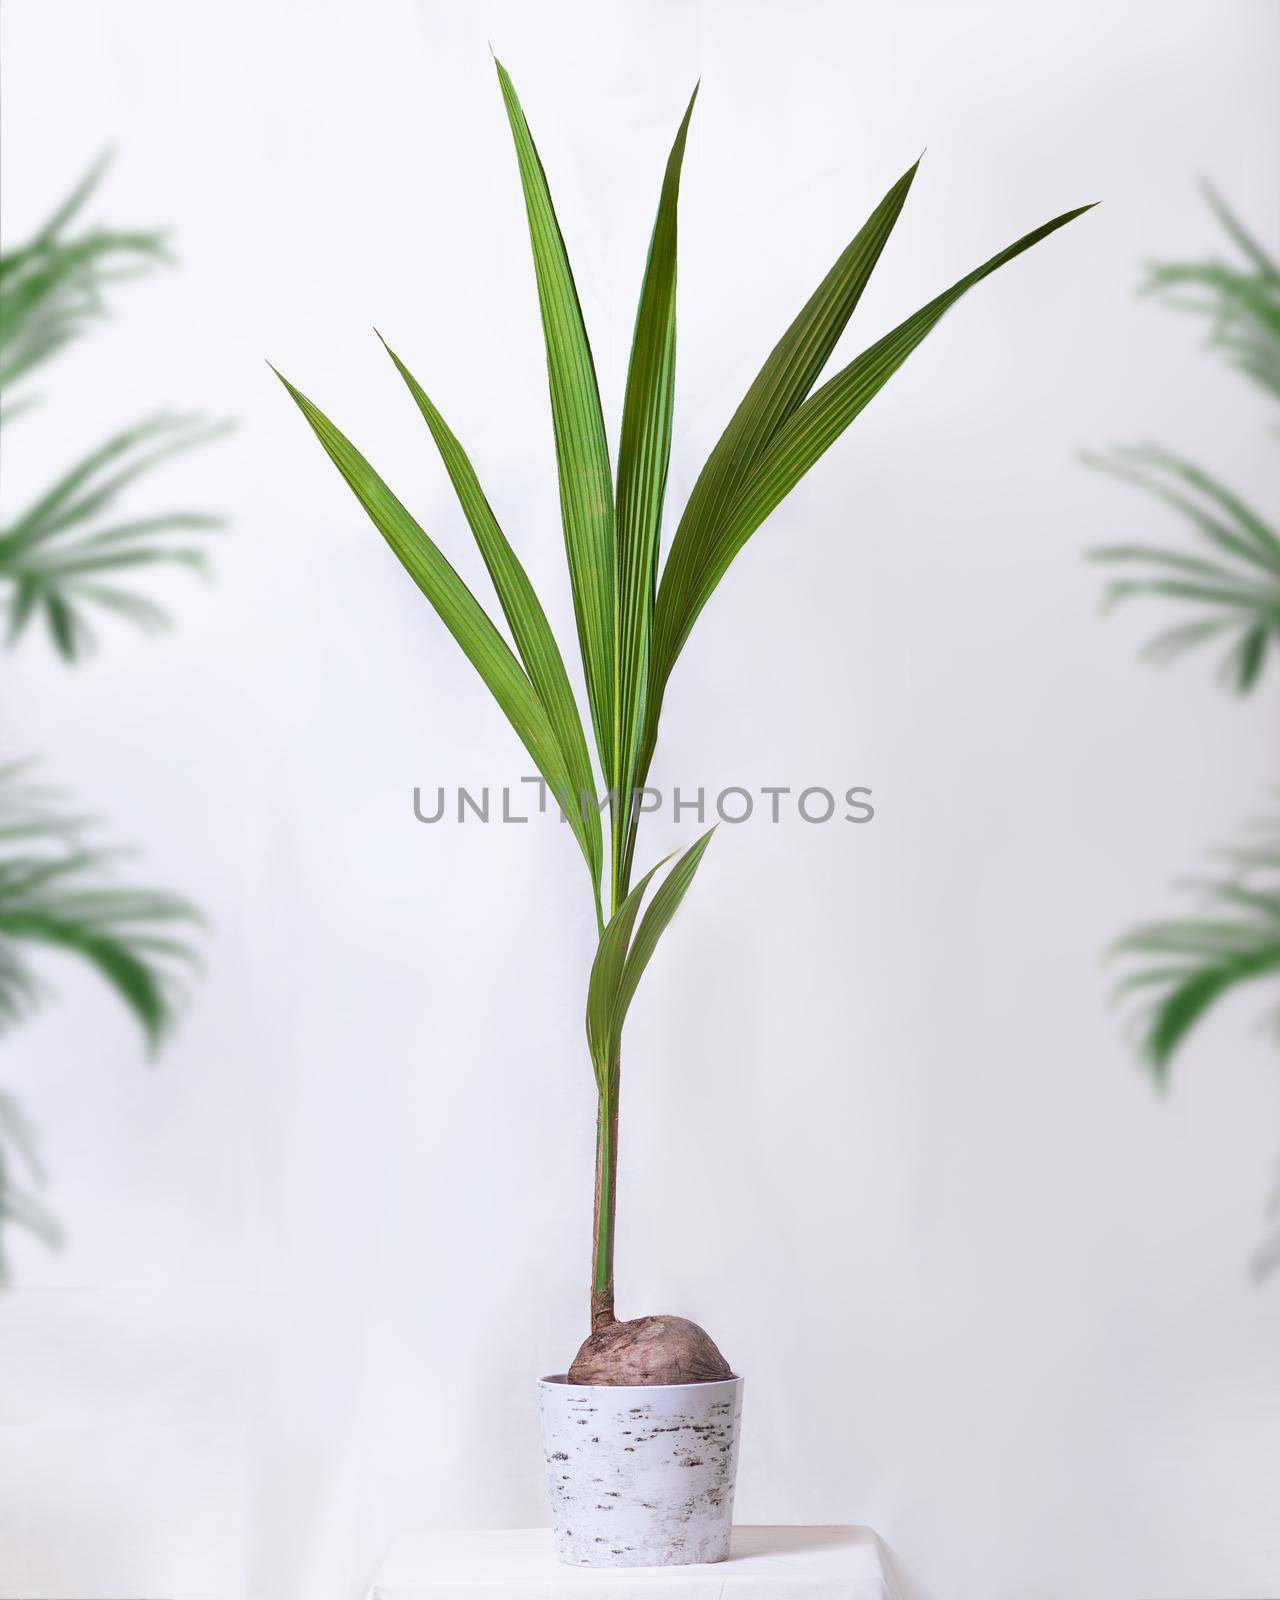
[[783, 1563]]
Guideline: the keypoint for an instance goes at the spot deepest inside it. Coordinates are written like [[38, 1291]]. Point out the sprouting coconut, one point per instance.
[[649, 1350]]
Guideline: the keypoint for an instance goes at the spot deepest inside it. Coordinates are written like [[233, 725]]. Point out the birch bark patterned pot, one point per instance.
[[641, 1476]]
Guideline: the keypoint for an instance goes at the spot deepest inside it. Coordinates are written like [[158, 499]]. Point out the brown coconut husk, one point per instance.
[[649, 1350]]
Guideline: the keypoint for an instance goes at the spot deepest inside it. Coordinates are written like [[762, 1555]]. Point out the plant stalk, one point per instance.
[[606, 1195], [605, 1203]]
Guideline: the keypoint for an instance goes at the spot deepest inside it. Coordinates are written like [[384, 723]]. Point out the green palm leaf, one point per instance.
[[778, 434], [1240, 301], [615, 973], [643, 457], [606, 978], [1234, 591], [65, 558], [777, 391], [621, 959], [462, 614], [799, 442], [52, 288], [525, 616], [71, 555], [1182, 967], [56, 891], [775, 394], [654, 924], [582, 452]]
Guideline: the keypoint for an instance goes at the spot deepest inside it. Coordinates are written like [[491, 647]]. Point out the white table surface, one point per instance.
[[785, 1563]]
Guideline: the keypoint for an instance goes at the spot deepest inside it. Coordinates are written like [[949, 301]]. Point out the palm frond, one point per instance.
[[582, 450], [525, 617], [644, 454], [777, 391], [621, 958], [1232, 591], [468, 622], [603, 1039], [59, 890], [69, 556], [1240, 300], [53, 288], [792, 431], [1180, 968], [630, 628], [72, 554]]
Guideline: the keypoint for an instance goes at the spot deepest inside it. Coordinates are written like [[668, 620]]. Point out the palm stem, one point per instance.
[[606, 1189], [606, 1203]]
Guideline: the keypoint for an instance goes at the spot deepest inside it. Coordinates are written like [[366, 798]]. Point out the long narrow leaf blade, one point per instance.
[[138, 982], [522, 609], [806, 436], [457, 608], [653, 925], [135, 449], [1252, 526], [778, 389], [75, 201], [606, 974], [644, 454], [582, 452], [781, 386]]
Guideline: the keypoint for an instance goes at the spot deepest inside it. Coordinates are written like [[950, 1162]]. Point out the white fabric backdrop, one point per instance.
[[988, 1290]]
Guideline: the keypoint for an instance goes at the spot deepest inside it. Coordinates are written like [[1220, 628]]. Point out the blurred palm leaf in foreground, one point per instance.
[[52, 289], [1190, 963], [58, 892], [1231, 584], [1234, 590], [1240, 300], [1184, 966], [1232, 587], [69, 553]]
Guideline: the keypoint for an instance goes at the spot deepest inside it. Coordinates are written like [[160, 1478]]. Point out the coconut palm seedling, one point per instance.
[[632, 622]]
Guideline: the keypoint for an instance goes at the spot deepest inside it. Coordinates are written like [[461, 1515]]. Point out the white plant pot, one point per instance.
[[641, 1476]]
